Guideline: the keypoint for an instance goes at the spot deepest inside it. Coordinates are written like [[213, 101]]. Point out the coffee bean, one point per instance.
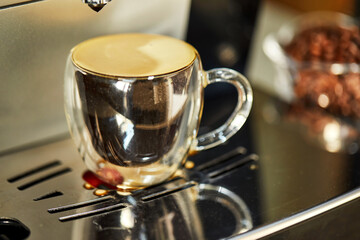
[[315, 49]]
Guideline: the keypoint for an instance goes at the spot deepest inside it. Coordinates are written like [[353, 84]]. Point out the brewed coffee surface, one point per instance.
[[133, 55]]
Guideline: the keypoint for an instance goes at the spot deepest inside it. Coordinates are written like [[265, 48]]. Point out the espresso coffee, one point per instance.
[[133, 124], [133, 55], [131, 134]]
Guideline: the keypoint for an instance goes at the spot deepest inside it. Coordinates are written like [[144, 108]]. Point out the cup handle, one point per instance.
[[239, 115]]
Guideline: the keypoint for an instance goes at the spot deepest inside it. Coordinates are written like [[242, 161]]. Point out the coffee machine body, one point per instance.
[[36, 37]]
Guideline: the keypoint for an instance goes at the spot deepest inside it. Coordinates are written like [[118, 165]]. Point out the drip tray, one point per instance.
[[43, 197]]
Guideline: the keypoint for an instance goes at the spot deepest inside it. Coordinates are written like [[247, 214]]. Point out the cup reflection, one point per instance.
[[198, 212]]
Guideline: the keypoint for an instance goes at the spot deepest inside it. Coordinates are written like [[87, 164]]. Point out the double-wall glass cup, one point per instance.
[[133, 103]]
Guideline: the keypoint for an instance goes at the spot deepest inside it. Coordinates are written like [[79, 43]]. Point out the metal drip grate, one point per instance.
[[66, 205]]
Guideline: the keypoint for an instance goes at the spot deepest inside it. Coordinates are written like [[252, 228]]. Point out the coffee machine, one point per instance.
[[268, 182], [43, 195]]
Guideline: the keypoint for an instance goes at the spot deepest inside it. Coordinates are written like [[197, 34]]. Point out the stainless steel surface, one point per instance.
[[229, 191], [15, 3], [35, 40], [34, 213], [271, 197], [282, 224], [174, 210]]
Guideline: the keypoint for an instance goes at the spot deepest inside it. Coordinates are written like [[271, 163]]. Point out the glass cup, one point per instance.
[[133, 103]]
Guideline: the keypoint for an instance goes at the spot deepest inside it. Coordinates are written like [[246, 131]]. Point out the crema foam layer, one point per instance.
[[133, 55]]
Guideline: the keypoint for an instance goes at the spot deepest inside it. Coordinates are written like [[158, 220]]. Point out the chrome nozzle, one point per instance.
[[96, 5]]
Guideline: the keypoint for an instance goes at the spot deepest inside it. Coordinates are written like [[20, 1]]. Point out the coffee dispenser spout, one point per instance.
[[96, 5]]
